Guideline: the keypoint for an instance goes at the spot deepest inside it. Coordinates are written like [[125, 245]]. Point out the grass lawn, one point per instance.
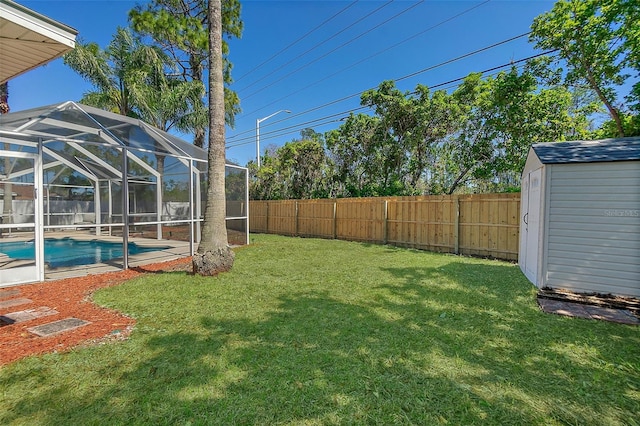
[[307, 331]]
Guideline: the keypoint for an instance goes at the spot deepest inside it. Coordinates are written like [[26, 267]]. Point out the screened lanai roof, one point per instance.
[[78, 124]]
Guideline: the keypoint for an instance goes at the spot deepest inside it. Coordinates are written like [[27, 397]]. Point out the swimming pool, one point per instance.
[[65, 252]]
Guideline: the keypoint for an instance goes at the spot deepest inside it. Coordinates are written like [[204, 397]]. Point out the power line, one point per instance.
[[371, 56], [296, 115], [296, 129], [316, 46], [326, 21], [447, 84], [299, 126], [332, 51], [466, 55], [461, 57]]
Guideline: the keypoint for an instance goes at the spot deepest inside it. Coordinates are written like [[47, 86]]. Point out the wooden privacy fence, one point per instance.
[[477, 225]]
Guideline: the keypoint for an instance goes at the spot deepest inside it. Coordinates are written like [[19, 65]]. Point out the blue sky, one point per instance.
[[353, 47]]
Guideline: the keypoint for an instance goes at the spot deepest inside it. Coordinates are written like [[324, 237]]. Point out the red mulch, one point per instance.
[[71, 298]]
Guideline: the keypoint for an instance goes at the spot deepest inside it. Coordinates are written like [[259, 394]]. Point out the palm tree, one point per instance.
[[214, 254], [178, 28], [167, 102], [133, 79], [137, 80]]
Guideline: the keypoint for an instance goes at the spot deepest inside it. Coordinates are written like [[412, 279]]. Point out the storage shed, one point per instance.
[[580, 216]]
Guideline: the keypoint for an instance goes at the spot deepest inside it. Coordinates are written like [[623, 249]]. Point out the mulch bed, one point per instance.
[[71, 298]]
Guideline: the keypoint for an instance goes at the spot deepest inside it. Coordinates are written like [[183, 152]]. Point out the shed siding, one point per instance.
[[593, 240]]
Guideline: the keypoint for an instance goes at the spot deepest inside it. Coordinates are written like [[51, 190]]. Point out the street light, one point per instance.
[[258, 121]]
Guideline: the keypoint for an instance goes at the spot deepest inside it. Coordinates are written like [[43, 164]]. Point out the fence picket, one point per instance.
[[478, 224]]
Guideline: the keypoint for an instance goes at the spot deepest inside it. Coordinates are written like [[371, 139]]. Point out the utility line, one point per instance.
[[460, 57], [297, 127], [333, 50], [370, 57], [441, 64], [466, 55], [447, 84], [326, 21], [315, 46]]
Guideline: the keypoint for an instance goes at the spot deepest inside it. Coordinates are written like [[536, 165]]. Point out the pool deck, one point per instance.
[[175, 250]]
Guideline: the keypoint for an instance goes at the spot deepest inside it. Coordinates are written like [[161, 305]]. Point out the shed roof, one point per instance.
[[621, 149]]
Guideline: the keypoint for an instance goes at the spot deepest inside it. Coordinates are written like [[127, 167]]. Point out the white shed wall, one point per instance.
[[592, 239]]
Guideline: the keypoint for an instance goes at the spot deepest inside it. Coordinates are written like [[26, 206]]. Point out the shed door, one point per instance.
[[524, 209], [530, 226]]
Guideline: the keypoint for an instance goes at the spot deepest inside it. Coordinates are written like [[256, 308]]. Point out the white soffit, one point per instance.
[[29, 39]]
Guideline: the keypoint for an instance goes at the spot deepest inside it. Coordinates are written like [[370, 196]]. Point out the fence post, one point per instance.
[[385, 238], [296, 233], [268, 231], [335, 219], [456, 225]]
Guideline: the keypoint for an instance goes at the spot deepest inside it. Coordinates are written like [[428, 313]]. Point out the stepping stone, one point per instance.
[[27, 315], [14, 302], [57, 327], [9, 292]]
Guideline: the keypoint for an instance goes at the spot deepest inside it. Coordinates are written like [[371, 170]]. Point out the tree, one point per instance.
[[364, 158], [117, 73], [503, 116], [472, 150], [437, 116], [597, 39], [435, 142], [296, 170], [265, 183], [395, 134], [178, 27], [391, 153], [303, 163], [214, 254], [133, 79]]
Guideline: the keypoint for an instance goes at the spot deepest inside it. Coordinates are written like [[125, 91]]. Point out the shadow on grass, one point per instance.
[[429, 348]]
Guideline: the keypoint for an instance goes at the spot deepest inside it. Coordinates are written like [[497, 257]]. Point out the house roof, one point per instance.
[[621, 149], [29, 39]]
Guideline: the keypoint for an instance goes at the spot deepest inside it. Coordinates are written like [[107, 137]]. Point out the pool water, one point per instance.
[[65, 252]]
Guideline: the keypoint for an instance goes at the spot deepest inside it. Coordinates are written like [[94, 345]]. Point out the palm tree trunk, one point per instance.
[[196, 69], [214, 254]]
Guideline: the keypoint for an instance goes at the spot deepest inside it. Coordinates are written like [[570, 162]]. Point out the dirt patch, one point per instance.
[[72, 298]]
